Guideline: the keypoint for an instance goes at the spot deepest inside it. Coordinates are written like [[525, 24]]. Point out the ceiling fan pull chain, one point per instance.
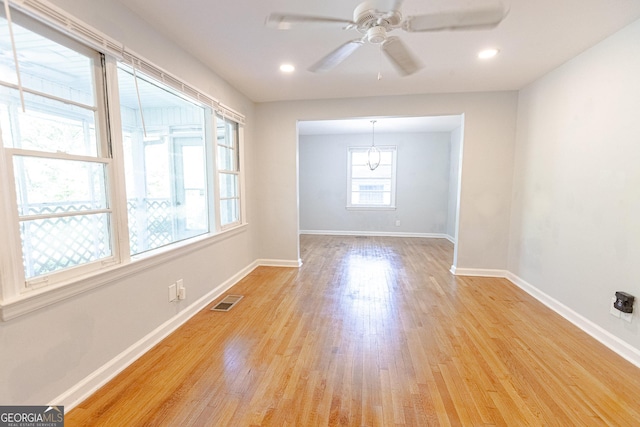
[[380, 63]]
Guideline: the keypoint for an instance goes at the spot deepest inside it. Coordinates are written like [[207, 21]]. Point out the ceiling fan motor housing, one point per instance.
[[367, 16], [377, 34]]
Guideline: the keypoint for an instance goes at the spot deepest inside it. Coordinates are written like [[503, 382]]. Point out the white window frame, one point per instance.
[[10, 215], [394, 153], [209, 147], [235, 146], [15, 297]]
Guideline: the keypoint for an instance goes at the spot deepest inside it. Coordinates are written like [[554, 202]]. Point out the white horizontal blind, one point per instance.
[[62, 21]]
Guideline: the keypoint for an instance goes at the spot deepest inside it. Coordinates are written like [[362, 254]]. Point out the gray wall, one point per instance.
[[487, 166], [454, 183], [575, 233], [422, 184]]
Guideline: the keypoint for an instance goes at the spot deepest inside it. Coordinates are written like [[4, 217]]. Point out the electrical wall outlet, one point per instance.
[[173, 292], [397, 223], [612, 310], [627, 317], [182, 291]]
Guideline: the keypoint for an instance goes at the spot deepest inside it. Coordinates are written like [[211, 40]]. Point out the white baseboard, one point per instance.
[[79, 392], [480, 272], [89, 385], [614, 343], [279, 263], [377, 234]]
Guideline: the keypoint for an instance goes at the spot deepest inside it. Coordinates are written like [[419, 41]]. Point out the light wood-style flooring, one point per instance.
[[372, 331]]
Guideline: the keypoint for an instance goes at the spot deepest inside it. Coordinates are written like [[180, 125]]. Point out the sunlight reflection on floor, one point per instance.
[[368, 284]]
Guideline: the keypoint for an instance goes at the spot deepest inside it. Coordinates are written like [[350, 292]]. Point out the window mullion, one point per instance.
[[216, 181], [57, 155], [107, 140], [12, 277], [49, 96], [116, 186], [211, 170], [63, 214], [240, 173]]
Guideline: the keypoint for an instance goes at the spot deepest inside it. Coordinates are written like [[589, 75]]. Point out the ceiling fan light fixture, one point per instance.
[[488, 53], [377, 34]]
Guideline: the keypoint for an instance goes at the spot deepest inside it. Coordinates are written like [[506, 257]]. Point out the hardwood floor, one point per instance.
[[372, 331]]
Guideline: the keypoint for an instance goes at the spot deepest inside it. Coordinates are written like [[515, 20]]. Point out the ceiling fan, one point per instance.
[[375, 19]]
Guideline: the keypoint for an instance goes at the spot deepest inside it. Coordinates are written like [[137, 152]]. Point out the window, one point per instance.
[[56, 150], [165, 163], [368, 188], [228, 171], [105, 162]]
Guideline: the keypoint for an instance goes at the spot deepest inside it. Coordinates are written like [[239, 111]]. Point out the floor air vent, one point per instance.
[[227, 303]]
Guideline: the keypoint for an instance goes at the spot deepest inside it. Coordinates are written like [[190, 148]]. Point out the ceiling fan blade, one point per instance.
[[396, 4], [400, 56], [336, 56], [389, 5], [475, 19], [286, 21]]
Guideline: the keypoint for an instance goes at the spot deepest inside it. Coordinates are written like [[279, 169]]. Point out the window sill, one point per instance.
[[371, 208], [36, 299]]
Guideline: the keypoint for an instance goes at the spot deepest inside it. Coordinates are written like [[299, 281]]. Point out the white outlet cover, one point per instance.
[[173, 292], [627, 316], [612, 310]]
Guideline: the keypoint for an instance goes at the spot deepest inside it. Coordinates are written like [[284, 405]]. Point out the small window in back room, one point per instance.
[[369, 188]]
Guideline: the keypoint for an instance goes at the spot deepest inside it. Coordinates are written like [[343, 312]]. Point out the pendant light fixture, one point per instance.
[[373, 154]]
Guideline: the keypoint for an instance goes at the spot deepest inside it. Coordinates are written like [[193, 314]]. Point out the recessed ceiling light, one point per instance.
[[287, 68], [488, 53]]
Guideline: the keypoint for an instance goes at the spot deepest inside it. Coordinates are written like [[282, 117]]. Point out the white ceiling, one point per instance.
[[231, 38]]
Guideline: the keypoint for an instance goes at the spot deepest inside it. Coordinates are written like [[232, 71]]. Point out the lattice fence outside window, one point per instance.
[[54, 243]]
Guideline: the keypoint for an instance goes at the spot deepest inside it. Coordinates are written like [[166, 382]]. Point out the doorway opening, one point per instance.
[[427, 177]]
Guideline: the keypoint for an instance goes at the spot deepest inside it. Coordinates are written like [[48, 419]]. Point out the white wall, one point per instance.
[[422, 184], [46, 352], [454, 182], [487, 170], [575, 233]]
